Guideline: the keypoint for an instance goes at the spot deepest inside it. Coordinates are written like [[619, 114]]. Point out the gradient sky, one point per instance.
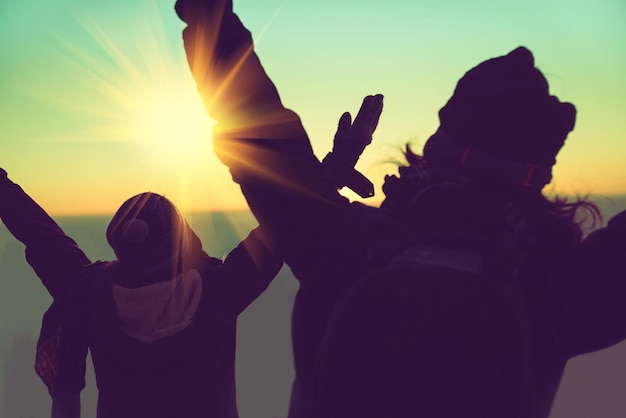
[[97, 104]]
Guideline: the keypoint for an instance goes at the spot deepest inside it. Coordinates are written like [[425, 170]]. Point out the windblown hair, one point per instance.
[[575, 217]]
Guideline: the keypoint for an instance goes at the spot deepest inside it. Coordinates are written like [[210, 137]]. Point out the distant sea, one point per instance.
[[594, 385]]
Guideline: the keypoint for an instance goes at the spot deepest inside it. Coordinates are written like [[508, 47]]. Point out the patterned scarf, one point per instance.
[[63, 342]]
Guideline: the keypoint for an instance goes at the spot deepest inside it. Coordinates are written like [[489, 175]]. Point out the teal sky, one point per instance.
[[96, 102]]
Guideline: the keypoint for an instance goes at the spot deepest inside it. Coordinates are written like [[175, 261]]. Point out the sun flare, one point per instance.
[[157, 105], [137, 94], [173, 128]]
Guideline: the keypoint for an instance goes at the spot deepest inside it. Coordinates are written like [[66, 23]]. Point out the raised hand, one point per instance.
[[188, 10], [350, 140]]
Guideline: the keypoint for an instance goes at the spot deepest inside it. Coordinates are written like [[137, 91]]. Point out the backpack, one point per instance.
[[434, 330]]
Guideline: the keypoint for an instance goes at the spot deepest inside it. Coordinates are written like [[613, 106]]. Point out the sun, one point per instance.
[[144, 82], [126, 113], [171, 126], [134, 89]]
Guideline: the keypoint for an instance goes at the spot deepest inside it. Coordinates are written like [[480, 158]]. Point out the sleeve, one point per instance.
[[52, 254], [264, 144], [600, 264], [581, 307], [245, 273]]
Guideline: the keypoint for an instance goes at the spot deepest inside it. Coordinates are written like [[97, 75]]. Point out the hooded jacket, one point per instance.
[[161, 350]]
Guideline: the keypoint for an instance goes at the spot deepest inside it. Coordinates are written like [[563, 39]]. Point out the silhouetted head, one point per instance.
[[503, 109], [149, 236]]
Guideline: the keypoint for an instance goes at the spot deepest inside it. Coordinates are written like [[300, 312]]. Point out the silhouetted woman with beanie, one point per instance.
[[468, 291], [160, 321]]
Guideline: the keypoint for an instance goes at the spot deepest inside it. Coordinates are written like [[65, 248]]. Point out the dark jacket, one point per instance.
[[570, 294], [186, 370]]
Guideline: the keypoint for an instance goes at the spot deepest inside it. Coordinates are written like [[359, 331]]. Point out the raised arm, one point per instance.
[[263, 144], [245, 273], [52, 254], [239, 95], [600, 264], [582, 306], [229, 75]]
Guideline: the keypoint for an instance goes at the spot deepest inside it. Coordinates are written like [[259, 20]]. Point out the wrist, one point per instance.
[[343, 157]]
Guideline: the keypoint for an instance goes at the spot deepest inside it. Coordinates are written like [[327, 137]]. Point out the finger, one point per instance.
[[344, 126], [377, 110], [364, 111], [369, 113]]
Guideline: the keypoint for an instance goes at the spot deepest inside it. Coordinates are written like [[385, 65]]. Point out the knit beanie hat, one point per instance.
[[148, 233], [502, 108]]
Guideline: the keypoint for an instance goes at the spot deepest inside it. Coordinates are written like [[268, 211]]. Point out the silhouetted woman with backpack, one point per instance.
[[467, 291]]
